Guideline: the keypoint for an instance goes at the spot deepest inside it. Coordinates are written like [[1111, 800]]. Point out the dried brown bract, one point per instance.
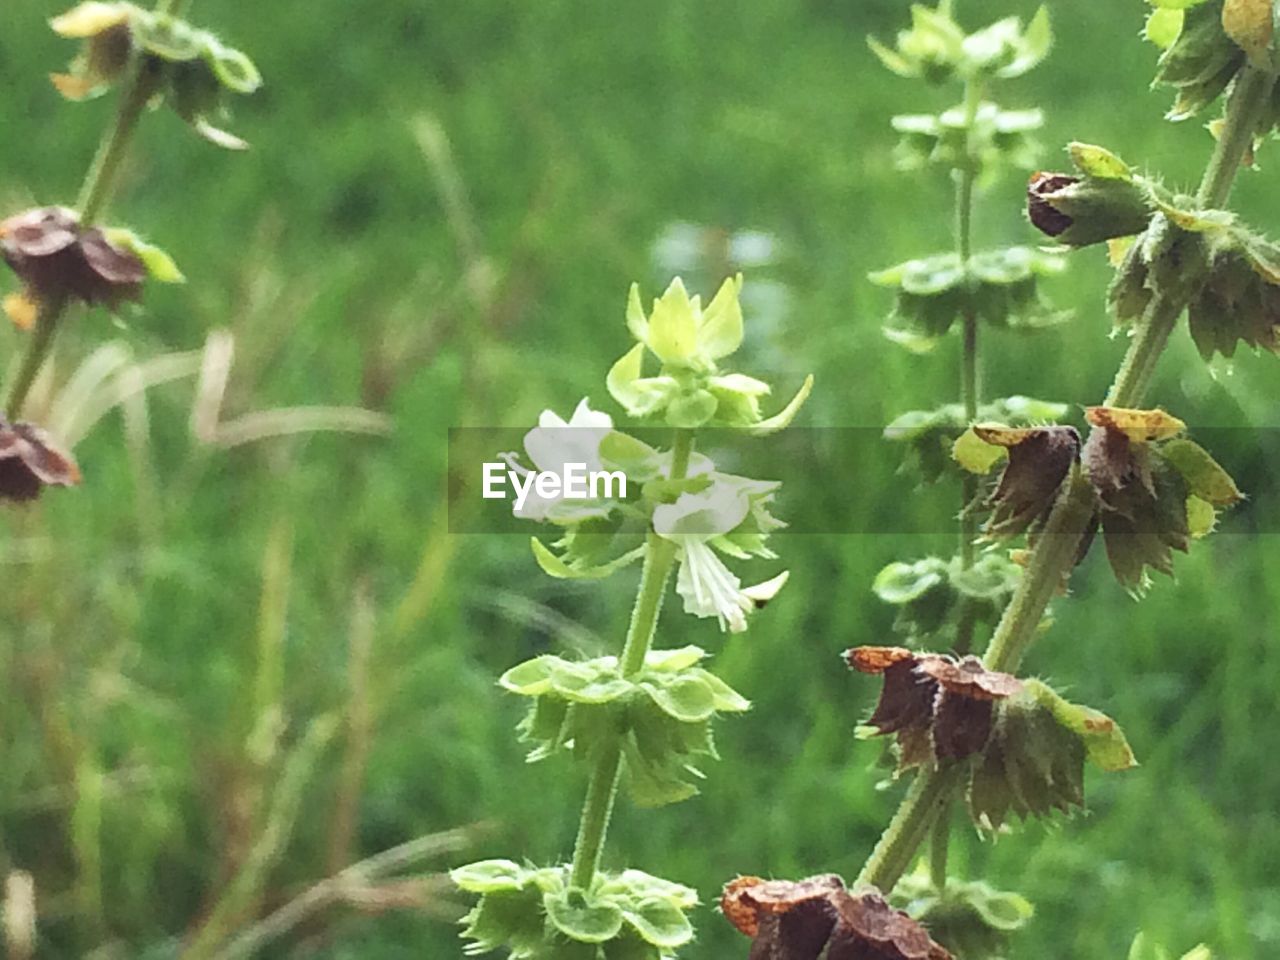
[[1039, 460], [30, 461], [58, 259], [800, 920], [935, 704]]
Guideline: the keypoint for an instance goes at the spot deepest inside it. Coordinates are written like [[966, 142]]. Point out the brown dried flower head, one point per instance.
[[30, 461], [817, 916], [935, 704], [1039, 460], [57, 259]]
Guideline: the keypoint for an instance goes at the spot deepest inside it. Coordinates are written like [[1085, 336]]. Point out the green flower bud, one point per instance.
[[189, 67]]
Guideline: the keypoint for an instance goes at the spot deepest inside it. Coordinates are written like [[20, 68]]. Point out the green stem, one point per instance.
[[902, 838], [1055, 551], [94, 195], [659, 558], [969, 398]]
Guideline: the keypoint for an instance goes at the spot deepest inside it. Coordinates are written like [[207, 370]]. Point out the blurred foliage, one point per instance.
[[441, 204]]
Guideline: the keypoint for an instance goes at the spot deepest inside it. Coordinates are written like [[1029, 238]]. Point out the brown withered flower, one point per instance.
[[30, 461], [58, 259], [800, 920], [1047, 218], [936, 705], [1039, 460]]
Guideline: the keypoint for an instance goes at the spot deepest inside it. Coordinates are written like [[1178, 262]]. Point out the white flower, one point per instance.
[[709, 588], [553, 444]]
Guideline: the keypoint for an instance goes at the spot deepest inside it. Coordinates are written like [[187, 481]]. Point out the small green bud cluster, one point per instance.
[[538, 914], [938, 50], [643, 718], [999, 287], [663, 713], [189, 68]]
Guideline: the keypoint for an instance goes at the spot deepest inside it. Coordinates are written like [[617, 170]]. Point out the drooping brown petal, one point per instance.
[[906, 699], [30, 461], [969, 678], [869, 929], [1039, 460], [961, 725], [876, 659], [801, 920], [962, 713]]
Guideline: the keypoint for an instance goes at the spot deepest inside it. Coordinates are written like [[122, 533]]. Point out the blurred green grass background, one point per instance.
[[172, 631]]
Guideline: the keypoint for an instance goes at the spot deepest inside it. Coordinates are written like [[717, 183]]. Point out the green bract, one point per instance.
[[996, 137], [930, 592], [1000, 287], [1199, 61], [1033, 763], [663, 714], [937, 49], [689, 390], [1144, 948], [931, 436], [1105, 201], [1155, 491], [189, 68], [973, 919], [537, 914]]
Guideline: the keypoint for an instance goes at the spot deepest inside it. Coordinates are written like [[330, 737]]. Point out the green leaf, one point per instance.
[[782, 419], [556, 567], [488, 876], [976, 455], [1204, 476], [692, 409], [673, 661], [901, 583], [1098, 162], [1163, 26], [531, 678], [1105, 743], [582, 918], [1033, 46], [160, 265], [502, 919], [233, 68], [1201, 517], [686, 698], [892, 59], [639, 461], [640, 396], [721, 330], [659, 921]]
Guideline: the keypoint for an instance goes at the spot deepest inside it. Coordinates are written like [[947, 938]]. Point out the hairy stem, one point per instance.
[[659, 558], [1055, 551], [969, 398]]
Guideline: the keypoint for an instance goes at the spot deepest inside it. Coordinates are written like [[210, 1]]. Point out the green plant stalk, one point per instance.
[[94, 195], [1055, 550], [602, 788], [969, 397]]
